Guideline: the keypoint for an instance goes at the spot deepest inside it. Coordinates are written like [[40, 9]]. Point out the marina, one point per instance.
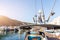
[[11, 36], [51, 33], [29, 20]]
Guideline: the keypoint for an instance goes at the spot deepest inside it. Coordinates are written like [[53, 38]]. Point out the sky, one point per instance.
[[24, 10]]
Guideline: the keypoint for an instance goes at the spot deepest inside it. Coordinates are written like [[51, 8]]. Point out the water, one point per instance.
[[14, 36], [22, 36], [11, 37]]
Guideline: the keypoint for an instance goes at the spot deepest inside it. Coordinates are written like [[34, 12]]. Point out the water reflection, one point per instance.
[[22, 36], [10, 36]]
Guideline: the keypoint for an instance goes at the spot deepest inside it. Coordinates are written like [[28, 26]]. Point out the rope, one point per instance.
[[43, 12], [35, 16], [53, 5], [51, 10], [35, 8], [42, 5]]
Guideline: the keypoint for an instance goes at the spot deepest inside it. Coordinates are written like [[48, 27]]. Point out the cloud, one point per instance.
[[56, 21]]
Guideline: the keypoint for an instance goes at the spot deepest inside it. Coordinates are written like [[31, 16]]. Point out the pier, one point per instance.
[[5, 29]]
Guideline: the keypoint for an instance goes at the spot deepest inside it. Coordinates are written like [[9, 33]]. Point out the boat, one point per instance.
[[34, 32], [38, 29], [39, 34]]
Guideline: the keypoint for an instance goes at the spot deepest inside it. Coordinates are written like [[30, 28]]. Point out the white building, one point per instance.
[[55, 21]]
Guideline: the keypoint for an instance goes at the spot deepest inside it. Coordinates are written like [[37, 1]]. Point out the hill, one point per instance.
[[5, 21]]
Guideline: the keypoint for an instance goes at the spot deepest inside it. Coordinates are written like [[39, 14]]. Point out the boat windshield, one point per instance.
[[34, 38]]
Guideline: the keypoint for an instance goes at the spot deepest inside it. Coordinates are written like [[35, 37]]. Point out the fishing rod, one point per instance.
[[43, 16], [52, 12], [35, 16]]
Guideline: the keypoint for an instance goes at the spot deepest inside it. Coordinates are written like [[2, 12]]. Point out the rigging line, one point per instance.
[[52, 9], [53, 5], [43, 11], [42, 5], [35, 7], [35, 16]]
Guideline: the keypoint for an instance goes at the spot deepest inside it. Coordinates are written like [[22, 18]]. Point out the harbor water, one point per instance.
[[17, 36], [12, 36]]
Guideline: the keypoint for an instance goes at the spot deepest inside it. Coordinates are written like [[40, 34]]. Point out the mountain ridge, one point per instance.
[[5, 21]]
